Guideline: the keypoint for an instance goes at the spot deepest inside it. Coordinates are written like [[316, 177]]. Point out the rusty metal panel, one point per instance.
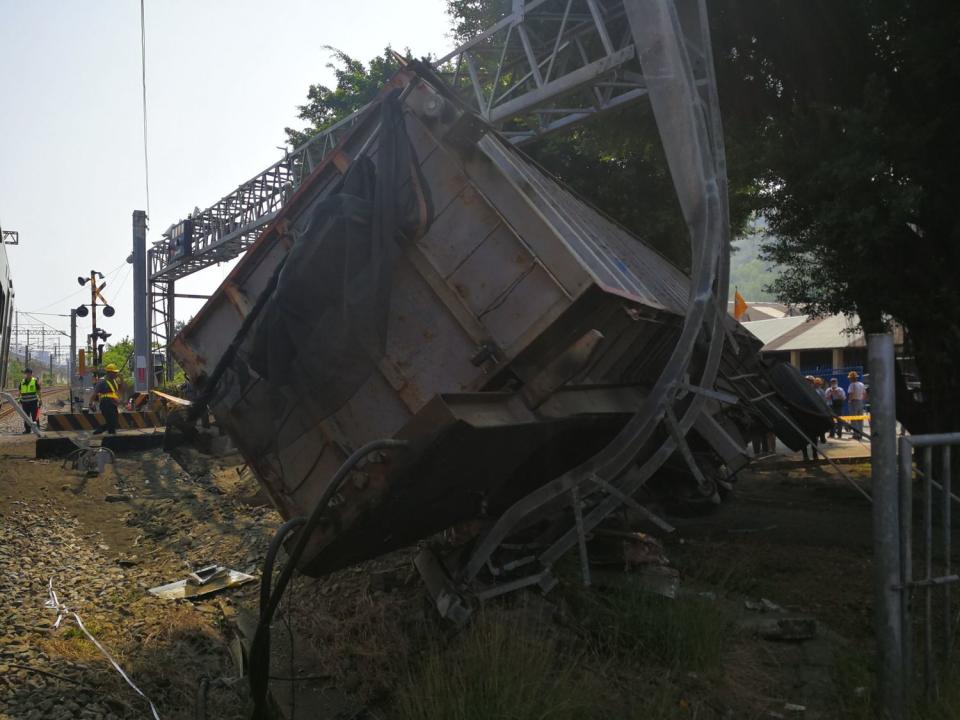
[[457, 230], [531, 304], [494, 266], [429, 349], [613, 257]]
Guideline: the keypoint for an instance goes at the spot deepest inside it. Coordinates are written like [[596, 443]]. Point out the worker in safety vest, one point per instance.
[[107, 394], [30, 398]]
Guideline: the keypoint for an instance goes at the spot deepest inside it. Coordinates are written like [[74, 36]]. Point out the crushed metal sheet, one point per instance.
[[202, 582]]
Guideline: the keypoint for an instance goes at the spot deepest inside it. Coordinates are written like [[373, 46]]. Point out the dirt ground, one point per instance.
[[798, 537]]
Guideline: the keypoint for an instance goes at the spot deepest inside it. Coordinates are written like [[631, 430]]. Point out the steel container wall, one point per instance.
[[513, 270]]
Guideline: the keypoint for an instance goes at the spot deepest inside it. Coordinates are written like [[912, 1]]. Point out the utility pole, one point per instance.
[[93, 313], [72, 364], [171, 330], [95, 332]]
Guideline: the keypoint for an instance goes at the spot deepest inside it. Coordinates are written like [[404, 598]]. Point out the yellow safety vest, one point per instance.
[[112, 395], [28, 389]]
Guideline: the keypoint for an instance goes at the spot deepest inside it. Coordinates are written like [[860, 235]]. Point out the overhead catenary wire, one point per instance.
[[123, 280], [45, 324], [82, 289], [143, 85]]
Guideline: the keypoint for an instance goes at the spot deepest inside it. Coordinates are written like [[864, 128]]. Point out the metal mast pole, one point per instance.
[[141, 328], [72, 364], [171, 331], [886, 523]]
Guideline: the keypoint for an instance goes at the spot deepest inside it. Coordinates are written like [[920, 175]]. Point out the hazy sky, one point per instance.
[[223, 80]]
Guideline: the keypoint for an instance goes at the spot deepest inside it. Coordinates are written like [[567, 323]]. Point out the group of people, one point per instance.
[[834, 396], [106, 394]]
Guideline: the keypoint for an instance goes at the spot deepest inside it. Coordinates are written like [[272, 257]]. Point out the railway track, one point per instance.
[[50, 396]]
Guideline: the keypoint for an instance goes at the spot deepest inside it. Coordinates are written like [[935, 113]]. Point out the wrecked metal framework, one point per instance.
[[671, 47], [547, 65], [687, 114]]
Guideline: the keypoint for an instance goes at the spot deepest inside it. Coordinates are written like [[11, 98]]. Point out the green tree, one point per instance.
[[14, 371], [855, 106], [611, 162], [749, 272], [121, 354], [357, 85]]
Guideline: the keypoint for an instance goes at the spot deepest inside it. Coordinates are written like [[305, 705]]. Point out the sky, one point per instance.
[[223, 80]]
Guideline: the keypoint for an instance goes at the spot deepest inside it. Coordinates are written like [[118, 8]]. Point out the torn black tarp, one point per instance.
[[324, 327]]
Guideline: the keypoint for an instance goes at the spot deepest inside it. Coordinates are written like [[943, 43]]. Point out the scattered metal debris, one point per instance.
[[764, 605], [202, 582]]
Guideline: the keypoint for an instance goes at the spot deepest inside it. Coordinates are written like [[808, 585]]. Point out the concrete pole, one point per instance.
[[886, 526], [171, 329], [72, 364], [141, 327]]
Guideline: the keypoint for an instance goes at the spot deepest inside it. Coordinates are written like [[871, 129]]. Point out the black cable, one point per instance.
[[260, 650], [266, 579]]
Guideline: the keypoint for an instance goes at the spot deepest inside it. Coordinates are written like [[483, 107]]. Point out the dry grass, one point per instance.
[[747, 682], [497, 670], [182, 650], [357, 635], [688, 633]]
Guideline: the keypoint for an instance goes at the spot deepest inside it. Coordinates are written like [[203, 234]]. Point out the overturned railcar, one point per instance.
[[429, 283]]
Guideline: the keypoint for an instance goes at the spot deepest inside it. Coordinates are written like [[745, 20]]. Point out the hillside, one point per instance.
[[748, 271]]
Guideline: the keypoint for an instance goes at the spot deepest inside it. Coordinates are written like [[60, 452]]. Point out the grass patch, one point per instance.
[[685, 634], [73, 631], [736, 572], [496, 670], [856, 682]]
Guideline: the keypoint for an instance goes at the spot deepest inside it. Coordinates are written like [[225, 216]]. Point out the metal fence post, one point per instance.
[[886, 525]]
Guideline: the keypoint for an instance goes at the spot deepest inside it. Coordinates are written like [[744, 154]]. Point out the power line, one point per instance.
[[123, 281], [45, 324], [143, 82], [81, 289]]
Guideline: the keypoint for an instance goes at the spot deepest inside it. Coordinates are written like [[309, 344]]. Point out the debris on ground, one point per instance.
[[366, 636], [201, 582]]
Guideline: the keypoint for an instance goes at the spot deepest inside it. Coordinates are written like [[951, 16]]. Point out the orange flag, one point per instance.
[[739, 305]]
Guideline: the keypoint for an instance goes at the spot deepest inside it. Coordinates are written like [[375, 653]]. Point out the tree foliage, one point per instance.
[[854, 106], [357, 85], [121, 354], [749, 272]]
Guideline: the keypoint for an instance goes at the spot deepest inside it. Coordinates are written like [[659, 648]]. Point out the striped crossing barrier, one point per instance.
[[92, 421]]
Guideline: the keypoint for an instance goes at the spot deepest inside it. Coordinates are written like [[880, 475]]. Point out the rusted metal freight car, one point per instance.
[[540, 364]]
